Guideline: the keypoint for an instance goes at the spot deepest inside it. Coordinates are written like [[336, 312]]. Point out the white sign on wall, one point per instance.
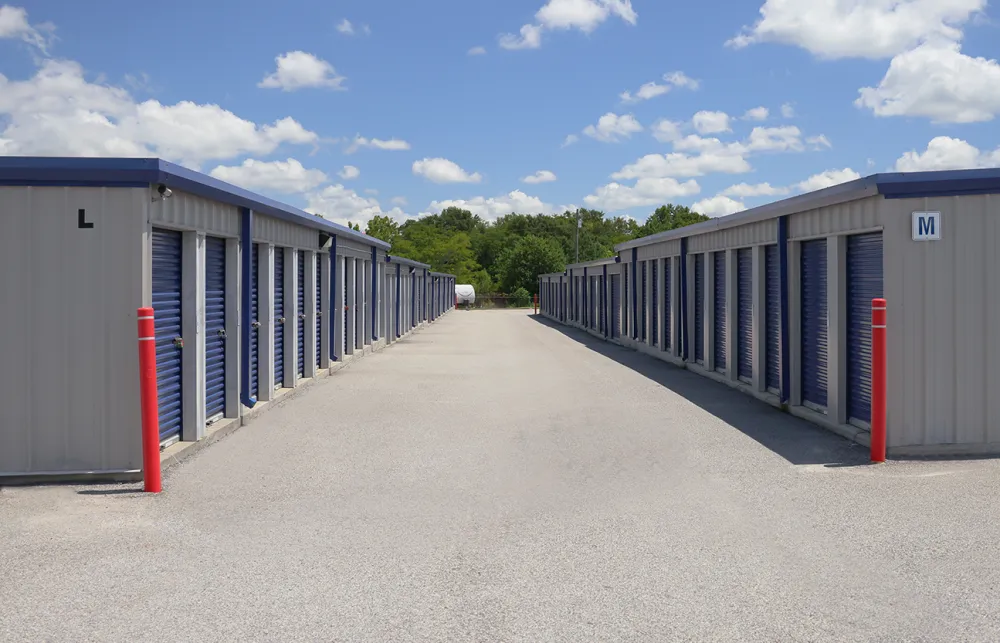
[[926, 226]]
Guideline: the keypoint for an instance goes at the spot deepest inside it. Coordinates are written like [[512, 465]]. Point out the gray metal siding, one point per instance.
[[670, 248], [185, 211], [757, 233], [852, 216], [283, 233], [69, 395], [943, 311]]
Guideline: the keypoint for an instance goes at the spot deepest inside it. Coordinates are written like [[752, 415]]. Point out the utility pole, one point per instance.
[[579, 224]]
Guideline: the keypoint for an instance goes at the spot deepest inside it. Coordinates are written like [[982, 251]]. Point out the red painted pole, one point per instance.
[[879, 380], [150, 403]]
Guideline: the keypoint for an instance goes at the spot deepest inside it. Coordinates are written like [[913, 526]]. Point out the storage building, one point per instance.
[[776, 301], [251, 298]]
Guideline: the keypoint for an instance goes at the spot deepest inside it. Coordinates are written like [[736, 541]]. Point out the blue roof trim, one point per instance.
[[905, 185], [141, 172]]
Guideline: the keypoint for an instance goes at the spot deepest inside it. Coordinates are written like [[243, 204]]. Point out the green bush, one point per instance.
[[521, 298]]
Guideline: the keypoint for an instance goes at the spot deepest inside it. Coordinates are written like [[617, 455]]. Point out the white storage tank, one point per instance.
[[465, 294]]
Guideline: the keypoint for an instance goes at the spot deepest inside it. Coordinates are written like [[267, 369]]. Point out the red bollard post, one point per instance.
[[879, 381], [151, 477]]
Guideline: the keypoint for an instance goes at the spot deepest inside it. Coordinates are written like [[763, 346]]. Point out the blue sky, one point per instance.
[[397, 112]]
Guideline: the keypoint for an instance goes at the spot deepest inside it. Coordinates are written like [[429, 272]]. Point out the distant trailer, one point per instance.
[[465, 294]]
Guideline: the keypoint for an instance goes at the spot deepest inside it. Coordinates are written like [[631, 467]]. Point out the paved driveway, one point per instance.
[[496, 478]]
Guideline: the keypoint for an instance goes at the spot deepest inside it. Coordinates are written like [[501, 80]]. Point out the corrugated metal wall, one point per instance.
[[69, 396], [944, 315], [283, 233], [853, 216], [738, 237], [184, 211], [657, 250]]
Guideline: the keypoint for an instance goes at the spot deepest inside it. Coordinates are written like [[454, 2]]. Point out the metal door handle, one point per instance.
[[319, 313], [179, 342], [302, 315], [222, 332], [281, 320], [255, 324]]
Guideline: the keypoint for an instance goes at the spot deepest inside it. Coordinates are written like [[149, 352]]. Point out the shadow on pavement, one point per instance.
[[795, 440], [108, 492]]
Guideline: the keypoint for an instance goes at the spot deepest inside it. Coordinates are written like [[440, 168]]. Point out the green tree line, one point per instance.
[[509, 253]]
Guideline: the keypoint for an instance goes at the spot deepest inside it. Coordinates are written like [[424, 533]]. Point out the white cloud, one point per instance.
[[399, 200], [58, 112], [757, 114], [341, 204], [493, 207], [939, 82], [868, 29], [743, 190], [680, 79], [286, 177], [647, 91], [654, 89], [819, 142], [946, 153], [827, 179], [683, 165], [570, 139], [14, 25], [706, 122], [371, 191], [666, 131], [297, 69], [349, 172], [541, 176], [392, 144], [788, 110], [345, 27], [612, 128], [585, 15], [477, 51], [645, 192], [787, 138], [438, 170], [718, 206], [530, 37]]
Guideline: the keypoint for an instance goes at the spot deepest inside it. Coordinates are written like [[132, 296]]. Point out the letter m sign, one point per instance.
[[926, 226]]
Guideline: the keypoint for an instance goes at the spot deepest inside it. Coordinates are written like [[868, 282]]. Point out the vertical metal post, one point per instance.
[[149, 402], [879, 376]]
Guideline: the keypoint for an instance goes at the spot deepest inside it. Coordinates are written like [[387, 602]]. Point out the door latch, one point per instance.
[[179, 342], [222, 332], [255, 324], [302, 315], [281, 320]]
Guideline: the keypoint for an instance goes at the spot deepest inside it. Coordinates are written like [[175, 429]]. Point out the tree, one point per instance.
[[382, 227], [669, 217], [519, 266], [354, 226]]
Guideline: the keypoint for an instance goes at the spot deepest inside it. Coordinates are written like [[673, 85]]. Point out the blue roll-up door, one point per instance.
[[644, 303], [603, 299], [699, 308], [656, 304], [343, 271], [215, 328], [624, 297], [719, 312], [616, 306], [254, 321], [168, 316], [279, 315], [772, 319], [864, 283], [300, 299], [744, 312], [667, 311], [319, 307], [814, 322]]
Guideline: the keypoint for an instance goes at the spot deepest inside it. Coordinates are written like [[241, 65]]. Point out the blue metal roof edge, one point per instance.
[[904, 185], [135, 172]]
